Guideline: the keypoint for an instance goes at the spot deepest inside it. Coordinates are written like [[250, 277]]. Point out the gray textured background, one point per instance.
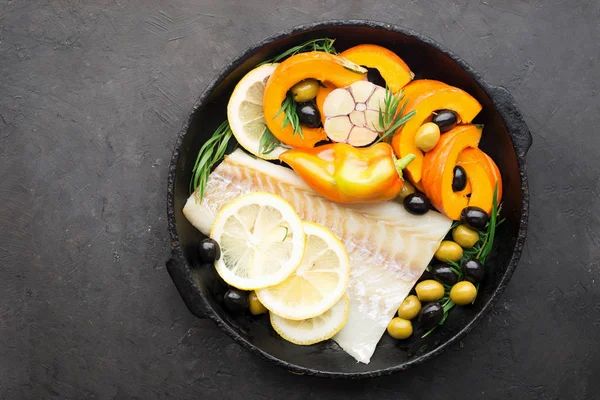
[[91, 96]]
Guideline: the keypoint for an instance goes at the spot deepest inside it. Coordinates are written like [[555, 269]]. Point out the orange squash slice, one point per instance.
[[324, 90], [322, 66], [392, 68], [438, 172], [425, 97], [476, 156]]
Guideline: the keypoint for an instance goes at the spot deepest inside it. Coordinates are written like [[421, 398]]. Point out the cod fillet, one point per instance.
[[388, 248]]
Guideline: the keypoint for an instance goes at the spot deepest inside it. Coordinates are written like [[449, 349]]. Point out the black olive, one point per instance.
[[431, 314], [235, 300], [374, 76], [426, 276], [474, 217], [445, 119], [473, 270], [417, 203], [209, 250], [459, 181], [308, 114], [443, 273]]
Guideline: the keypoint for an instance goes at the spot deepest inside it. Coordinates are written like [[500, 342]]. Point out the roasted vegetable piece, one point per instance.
[[392, 68], [344, 174], [425, 97], [438, 171], [352, 113], [476, 156], [317, 65]]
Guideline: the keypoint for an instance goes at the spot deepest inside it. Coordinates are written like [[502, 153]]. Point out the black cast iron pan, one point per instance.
[[506, 139]]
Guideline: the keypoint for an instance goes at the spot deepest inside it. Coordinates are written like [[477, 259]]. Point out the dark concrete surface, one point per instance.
[[92, 94]]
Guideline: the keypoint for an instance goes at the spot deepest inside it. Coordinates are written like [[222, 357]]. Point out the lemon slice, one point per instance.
[[261, 238], [319, 281], [246, 116], [316, 329]]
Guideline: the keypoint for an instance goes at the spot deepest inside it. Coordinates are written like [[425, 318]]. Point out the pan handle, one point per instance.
[[184, 282], [519, 132]]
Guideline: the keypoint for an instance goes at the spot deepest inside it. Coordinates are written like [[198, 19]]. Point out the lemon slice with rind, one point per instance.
[[261, 238], [317, 284], [316, 329], [246, 117]]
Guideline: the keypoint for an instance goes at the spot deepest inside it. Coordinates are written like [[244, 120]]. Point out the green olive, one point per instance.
[[409, 308], [407, 189], [427, 136], [449, 251], [305, 90], [429, 290], [463, 293], [465, 237], [256, 307], [400, 328]]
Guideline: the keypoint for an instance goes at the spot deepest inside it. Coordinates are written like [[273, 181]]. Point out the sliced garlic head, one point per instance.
[[352, 113]]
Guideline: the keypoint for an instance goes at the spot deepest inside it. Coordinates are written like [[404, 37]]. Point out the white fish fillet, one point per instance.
[[388, 247]]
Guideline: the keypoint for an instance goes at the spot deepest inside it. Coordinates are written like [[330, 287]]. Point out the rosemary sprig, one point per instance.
[[211, 153], [390, 115], [268, 142], [323, 44], [288, 108], [486, 247]]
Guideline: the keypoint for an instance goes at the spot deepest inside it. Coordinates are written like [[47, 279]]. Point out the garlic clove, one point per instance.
[[338, 128], [372, 120], [358, 118], [362, 90], [360, 136], [377, 99], [338, 102]]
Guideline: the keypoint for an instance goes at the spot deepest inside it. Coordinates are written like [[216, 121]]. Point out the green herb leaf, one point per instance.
[[323, 44], [211, 153], [268, 142], [391, 114], [486, 247], [288, 108]]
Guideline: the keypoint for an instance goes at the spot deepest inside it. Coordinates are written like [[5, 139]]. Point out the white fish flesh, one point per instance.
[[388, 247]]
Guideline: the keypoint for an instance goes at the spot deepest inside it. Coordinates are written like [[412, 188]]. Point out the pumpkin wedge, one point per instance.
[[324, 90], [476, 156], [392, 68], [438, 171], [425, 98], [322, 66]]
